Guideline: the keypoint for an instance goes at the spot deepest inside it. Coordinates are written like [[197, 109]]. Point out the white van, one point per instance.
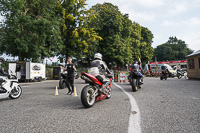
[[157, 68]]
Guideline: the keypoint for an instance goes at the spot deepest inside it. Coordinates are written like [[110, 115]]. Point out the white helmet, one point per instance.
[[98, 56]]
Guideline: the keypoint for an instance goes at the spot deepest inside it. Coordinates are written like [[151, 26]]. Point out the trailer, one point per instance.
[[28, 71]]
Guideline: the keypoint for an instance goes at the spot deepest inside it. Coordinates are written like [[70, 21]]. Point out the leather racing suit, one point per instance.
[[137, 70], [98, 69]]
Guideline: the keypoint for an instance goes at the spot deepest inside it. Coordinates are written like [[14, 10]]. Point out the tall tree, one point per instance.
[[77, 36], [146, 49], [110, 24], [31, 28], [173, 49]]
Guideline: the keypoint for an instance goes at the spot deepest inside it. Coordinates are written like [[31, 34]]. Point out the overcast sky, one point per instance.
[[165, 18]]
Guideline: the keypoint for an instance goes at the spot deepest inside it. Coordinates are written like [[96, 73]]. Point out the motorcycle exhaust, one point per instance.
[[86, 79]]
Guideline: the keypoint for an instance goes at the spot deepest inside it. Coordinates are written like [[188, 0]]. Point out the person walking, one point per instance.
[[70, 68]]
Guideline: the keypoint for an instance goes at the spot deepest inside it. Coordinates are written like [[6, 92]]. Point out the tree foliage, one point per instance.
[[31, 28], [173, 49], [77, 36], [123, 40], [44, 28]]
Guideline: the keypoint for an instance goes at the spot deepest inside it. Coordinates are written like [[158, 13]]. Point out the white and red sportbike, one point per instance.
[[9, 87]]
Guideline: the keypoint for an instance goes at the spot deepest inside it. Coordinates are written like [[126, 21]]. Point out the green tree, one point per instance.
[[146, 49], [173, 49], [135, 38], [111, 25], [77, 36], [31, 28]]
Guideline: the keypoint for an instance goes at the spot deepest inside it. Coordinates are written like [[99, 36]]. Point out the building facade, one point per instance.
[[193, 63]]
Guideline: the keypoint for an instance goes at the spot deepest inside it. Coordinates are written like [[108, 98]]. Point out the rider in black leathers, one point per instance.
[[137, 70]]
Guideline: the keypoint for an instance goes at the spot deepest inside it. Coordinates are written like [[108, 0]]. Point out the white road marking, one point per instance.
[[134, 119]]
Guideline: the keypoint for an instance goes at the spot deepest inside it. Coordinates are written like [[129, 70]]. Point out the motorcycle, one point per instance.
[[164, 75], [181, 74], [135, 81], [62, 82], [91, 93], [9, 87]]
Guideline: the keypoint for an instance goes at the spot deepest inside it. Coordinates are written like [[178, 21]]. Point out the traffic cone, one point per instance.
[[75, 93], [56, 91]]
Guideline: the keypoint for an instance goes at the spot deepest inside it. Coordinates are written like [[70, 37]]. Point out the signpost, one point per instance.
[[115, 77], [122, 77]]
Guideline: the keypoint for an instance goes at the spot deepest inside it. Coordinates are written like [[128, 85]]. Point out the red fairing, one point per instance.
[[92, 77], [102, 96]]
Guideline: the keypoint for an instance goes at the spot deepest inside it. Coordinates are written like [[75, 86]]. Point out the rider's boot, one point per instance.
[[103, 88], [141, 80]]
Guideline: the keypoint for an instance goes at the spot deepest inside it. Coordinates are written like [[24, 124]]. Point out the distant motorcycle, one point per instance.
[[9, 87], [181, 74], [91, 93], [63, 79], [164, 75], [134, 79]]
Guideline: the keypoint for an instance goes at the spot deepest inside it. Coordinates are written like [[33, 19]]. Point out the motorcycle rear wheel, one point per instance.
[[130, 81], [15, 93], [87, 97], [134, 85], [179, 76], [161, 77]]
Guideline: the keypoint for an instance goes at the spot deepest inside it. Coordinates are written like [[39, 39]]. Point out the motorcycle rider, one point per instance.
[[98, 69], [70, 68], [137, 70], [166, 70]]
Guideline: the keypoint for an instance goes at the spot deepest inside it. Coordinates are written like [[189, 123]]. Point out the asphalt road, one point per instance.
[[171, 106]]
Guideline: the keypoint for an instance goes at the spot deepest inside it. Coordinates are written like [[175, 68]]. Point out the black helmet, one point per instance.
[[2, 59]]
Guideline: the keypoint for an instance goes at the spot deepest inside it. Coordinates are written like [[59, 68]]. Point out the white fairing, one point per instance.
[[6, 85]]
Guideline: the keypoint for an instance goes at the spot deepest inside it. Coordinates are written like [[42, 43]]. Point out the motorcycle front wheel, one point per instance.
[[62, 84], [87, 96], [16, 92], [179, 76], [134, 85]]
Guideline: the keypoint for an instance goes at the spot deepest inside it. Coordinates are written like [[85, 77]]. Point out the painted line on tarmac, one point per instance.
[[134, 119]]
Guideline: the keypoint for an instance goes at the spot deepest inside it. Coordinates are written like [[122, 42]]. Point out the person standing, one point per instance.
[[70, 68]]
